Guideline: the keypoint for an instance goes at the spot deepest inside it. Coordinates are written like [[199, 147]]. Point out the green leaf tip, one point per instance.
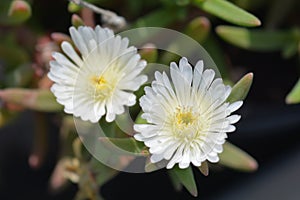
[[240, 90], [19, 11], [204, 169], [228, 12], [294, 96], [76, 21], [234, 157], [186, 178], [259, 39], [198, 29]]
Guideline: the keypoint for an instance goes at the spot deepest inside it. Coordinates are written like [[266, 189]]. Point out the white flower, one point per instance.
[[100, 81], [188, 116]]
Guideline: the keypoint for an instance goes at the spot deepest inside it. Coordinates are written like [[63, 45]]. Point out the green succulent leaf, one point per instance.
[[72, 7], [149, 53], [151, 167], [235, 158], [198, 29], [175, 181], [129, 145], [76, 21], [257, 40], [204, 168], [186, 178], [241, 88], [35, 99], [19, 12], [228, 12], [139, 119], [294, 96]]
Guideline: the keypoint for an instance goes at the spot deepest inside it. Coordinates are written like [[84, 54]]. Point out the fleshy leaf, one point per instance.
[[186, 178], [19, 12], [235, 158], [241, 88], [73, 7], [258, 40], [140, 120], [150, 167], [228, 12], [126, 144], [204, 168], [76, 21], [294, 96], [175, 181], [39, 100], [198, 29], [149, 53]]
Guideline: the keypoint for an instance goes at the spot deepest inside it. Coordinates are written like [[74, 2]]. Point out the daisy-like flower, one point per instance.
[[188, 116], [100, 81]]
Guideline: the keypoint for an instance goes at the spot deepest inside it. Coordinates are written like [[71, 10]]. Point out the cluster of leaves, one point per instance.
[[22, 67]]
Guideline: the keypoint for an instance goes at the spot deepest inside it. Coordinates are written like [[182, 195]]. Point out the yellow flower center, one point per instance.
[[185, 118], [188, 124], [102, 87]]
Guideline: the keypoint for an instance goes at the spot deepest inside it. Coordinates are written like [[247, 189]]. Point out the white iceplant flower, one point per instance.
[[188, 116], [100, 81]]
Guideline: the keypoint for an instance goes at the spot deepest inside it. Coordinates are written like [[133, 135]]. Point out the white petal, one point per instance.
[[234, 106], [69, 50], [234, 118]]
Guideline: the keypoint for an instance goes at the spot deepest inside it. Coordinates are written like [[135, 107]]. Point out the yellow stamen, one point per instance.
[[103, 88]]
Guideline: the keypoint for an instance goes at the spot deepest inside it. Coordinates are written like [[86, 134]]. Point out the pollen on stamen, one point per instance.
[[102, 88]]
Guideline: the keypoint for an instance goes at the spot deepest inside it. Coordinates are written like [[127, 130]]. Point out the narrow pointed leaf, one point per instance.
[[76, 21], [198, 29], [228, 12], [39, 100], [140, 120], [19, 12], [129, 145], [235, 158], [204, 168], [294, 96], [175, 181], [241, 88], [73, 7], [149, 53], [150, 167], [186, 178], [257, 40]]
